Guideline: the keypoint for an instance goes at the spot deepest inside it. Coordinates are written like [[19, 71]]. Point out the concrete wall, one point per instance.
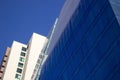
[[13, 60], [36, 45]]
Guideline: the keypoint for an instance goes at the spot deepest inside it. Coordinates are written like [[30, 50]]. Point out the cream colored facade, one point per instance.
[[23, 58], [12, 68], [36, 45]]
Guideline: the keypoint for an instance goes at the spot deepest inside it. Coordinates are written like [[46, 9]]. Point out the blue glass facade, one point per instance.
[[85, 43]]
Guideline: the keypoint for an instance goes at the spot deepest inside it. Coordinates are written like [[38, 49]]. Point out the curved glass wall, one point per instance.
[[85, 44]]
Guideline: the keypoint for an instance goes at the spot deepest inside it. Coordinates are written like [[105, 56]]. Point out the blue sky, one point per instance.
[[20, 18]]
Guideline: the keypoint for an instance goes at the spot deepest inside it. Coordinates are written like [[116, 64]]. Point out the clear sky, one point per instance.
[[20, 18]]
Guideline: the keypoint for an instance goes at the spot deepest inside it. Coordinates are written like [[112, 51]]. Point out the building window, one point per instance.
[[19, 70], [24, 49], [18, 76], [39, 61], [41, 56], [22, 54], [22, 59], [37, 66], [20, 65]]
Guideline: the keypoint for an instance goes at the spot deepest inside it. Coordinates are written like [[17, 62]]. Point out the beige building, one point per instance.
[[21, 62]]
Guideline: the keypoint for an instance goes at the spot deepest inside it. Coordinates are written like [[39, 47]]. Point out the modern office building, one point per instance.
[[22, 59], [85, 43]]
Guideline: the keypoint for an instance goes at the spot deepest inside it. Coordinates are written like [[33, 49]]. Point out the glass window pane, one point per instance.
[[39, 61], [22, 59], [19, 70], [20, 65], [22, 54], [23, 49], [18, 76]]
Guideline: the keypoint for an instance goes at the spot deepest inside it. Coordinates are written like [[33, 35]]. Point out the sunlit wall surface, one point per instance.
[[116, 8], [85, 43]]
